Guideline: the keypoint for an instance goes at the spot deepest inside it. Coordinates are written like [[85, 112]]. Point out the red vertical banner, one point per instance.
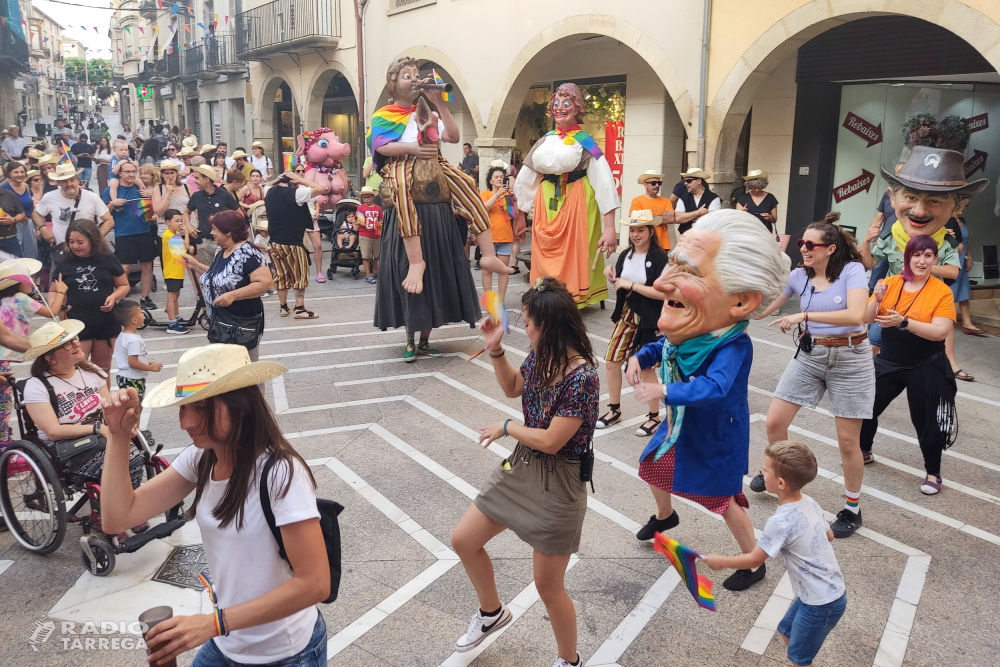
[[614, 148]]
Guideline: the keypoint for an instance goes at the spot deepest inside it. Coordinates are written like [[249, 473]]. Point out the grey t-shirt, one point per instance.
[[831, 299]]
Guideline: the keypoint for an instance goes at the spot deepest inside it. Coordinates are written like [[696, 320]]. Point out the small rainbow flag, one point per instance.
[[683, 560], [508, 205], [446, 96], [144, 209], [289, 160], [580, 137]]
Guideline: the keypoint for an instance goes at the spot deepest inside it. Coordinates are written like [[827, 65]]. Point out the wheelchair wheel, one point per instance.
[[31, 497], [103, 554]]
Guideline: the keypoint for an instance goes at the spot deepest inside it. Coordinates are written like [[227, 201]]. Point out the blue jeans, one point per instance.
[[875, 334], [85, 175], [26, 237], [878, 273], [807, 626], [11, 246], [313, 655]]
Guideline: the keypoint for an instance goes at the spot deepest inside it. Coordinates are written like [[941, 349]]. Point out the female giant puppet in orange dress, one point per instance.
[[569, 183]]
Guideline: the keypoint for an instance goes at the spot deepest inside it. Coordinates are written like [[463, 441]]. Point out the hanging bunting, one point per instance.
[[128, 30], [202, 26], [156, 30], [96, 30], [227, 19], [173, 9], [3, 20], [141, 30], [159, 4]]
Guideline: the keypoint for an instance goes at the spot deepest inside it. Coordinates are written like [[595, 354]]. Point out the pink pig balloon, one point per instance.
[[322, 151]]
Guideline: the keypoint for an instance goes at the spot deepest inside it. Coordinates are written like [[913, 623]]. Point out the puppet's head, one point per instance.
[[725, 269], [930, 186], [567, 106], [399, 79], [322, 147]]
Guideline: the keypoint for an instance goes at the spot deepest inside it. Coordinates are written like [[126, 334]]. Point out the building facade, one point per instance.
[[14, 61], [45, 91]]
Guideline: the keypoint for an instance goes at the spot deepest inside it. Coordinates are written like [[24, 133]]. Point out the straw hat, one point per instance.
[[695, 172], [187, 151], [642, 218], [35, 154], [367, 190], [253, 207], [169, 164], [208, 371], [48, 159], [755, 173], [648, 175], [50, 336], [206, 171], [500, 163], [64, 171], [31, 173], [261, 224], [239, 154], [206, 149], [257, 144], [18, 271], [139, 137]]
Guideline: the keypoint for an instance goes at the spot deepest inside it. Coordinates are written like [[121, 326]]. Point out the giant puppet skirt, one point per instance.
[[449, 293], [564, 237]]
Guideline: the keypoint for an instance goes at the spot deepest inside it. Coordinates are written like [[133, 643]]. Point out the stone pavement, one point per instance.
[[396, 445]]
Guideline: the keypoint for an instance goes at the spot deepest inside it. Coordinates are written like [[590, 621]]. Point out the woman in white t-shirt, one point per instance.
[[266, 610]]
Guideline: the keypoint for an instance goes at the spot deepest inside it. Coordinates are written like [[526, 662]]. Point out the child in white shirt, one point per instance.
[[130, 350]]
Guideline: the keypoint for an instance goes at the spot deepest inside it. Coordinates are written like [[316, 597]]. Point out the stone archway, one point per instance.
[[266, 130]]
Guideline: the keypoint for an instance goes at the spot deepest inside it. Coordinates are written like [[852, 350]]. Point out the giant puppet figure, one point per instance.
[[323, 152], [568, 183], [424, 279], [724, 271]]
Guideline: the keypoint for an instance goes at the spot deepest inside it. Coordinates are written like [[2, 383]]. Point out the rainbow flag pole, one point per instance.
[[683, 559]]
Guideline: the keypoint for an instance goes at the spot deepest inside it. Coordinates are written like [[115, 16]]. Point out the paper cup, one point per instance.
[[151, 618]]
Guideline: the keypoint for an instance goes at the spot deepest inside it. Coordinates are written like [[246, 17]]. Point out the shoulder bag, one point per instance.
[[226, 327]]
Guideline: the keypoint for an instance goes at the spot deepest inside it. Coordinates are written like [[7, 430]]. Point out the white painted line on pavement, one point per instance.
[[767, 621], [280, 399], [4, 564]]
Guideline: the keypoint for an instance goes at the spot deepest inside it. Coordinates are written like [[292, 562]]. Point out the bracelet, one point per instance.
[[496, 354], [505, 427], [220, 623], [97, 428]]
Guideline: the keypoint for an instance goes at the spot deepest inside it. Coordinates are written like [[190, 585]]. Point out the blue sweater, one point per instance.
[[712, 452]]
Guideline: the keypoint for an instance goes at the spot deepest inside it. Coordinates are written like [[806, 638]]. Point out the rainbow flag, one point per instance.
[[144, 209], [682, 558], [387, 125], [447, 97], [289, 160], [508, 206], [580, 137]]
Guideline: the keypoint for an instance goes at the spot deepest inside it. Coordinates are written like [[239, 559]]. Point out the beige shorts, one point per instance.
[[206, 252], [369, 246]]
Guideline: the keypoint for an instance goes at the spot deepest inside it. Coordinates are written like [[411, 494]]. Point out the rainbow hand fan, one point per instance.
[[176, 245], [683, 560], [493, 304]]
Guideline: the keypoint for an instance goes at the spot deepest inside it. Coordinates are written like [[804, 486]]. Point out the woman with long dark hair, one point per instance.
[[538, 492], [102, 156], [266, 605], [834, 355], [150, 153], [17, 176], [637, 309], [917, 312]]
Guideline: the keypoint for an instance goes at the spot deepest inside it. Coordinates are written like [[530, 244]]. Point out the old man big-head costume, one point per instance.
[[724, 271]]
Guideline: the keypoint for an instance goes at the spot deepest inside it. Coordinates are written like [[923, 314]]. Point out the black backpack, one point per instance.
[[328, 512]]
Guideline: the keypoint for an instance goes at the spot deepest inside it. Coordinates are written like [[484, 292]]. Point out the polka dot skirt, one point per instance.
[[661, 475]]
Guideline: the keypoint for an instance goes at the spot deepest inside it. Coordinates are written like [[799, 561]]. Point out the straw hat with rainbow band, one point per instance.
[[50, 336], [209, 371]]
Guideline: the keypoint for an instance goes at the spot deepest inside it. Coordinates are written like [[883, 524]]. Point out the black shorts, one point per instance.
[[135, 249], [99, 326], [174, 284]]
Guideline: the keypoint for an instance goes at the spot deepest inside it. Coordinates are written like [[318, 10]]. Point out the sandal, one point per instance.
[[410, 353], [425, 349], [302, 314], [612, 416], [974, 331], [962, 375], [645, 430], [284, 310]]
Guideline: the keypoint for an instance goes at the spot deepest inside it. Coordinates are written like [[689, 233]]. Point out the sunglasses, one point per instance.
[[810, 246], [70, 345], [654, 182], [690, 180], [300, 171]]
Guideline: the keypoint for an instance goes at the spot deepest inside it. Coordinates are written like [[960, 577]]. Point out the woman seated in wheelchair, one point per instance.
[[63, 399]]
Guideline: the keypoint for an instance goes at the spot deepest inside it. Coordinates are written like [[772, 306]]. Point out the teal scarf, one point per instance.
[[681, 361]]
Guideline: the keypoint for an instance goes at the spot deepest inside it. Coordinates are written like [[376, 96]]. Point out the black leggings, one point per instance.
[[887, 388]]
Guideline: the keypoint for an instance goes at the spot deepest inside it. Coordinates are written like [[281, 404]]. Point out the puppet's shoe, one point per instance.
[[744, 579], [846, 523], [481, 627], [757, 483], [410, 354], [425, 350], [654, 526]]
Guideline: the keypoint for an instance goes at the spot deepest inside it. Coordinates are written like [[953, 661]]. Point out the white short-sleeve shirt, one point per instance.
[[61, 209]]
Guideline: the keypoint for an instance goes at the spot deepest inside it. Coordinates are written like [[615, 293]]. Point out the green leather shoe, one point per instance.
[[411, 352]]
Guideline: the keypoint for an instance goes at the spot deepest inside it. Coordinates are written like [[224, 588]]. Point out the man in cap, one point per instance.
[[652, 201], [697, 201], [261, 162], [14, 144]]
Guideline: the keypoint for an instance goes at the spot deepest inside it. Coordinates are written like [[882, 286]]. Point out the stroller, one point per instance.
[[346, 241]]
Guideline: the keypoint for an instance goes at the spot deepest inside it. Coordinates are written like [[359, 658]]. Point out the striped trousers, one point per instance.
[[398, 173]]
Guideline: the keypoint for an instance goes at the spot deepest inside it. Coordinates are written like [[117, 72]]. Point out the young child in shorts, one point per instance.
[[799, 532], [174, 266], [370, 214], [130, 350], [120, 157], [262, 241]]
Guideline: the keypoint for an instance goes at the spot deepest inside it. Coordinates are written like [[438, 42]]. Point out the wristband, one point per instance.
[[496, 354], [505, 427], [220, 623]]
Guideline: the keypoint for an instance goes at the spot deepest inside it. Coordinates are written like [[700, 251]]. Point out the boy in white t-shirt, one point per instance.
[[800, 533], [130, 349]]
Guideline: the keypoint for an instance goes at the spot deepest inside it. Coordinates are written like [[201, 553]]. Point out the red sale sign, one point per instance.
[[614, 148], [854, 186]]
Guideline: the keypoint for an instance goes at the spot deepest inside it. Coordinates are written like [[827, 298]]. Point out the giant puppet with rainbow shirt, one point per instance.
[[424, 279]]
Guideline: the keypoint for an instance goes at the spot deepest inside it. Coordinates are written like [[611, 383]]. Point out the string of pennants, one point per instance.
[[215, 23]]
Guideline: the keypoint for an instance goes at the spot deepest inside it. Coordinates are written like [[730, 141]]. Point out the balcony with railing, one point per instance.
[[194, 61], [287, 26], [148, 9], [220, 54], [13, 50]]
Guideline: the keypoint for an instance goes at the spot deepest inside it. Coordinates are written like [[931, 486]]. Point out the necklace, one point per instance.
[[68, 380]]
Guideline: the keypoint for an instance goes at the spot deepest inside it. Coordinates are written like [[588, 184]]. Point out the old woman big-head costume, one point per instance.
[[568, 183], [724, 271]]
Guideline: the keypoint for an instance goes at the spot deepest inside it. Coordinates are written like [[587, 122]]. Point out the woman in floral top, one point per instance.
[[538, 492]]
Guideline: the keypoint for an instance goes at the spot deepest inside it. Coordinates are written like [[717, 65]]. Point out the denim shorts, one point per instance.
[[807, 626], [875, 334], [313, 655], [847, 373], [503, 249]]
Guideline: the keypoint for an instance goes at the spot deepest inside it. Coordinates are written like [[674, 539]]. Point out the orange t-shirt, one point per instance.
[[500, 227], [658, 206], [934, 300]]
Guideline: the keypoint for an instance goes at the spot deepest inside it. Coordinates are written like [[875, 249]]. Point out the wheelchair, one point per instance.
[[36, 486]]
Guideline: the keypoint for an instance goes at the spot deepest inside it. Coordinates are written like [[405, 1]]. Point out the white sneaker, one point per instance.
[[481, 627], [562, 663]]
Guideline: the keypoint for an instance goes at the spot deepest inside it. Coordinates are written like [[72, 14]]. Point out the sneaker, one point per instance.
[[757, 483], [265, 294], [867, 456], [425, 350], [562, 662], [177, 328], [481, 627], [410, 354], [320, 278], [744, 579], [477, 267], [846, 523], [930, 487], [147, 303], [271, 291], [655, 525]]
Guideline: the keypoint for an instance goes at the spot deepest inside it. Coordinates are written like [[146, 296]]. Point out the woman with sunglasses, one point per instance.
[[834, 354]]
